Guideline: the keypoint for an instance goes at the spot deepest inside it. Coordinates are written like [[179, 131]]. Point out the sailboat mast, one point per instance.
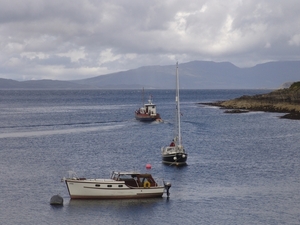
[[143, 96], [178, 106]]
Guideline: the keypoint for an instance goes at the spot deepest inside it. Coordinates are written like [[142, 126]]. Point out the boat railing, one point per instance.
[[73, 175], [159, 182], [168, 149]]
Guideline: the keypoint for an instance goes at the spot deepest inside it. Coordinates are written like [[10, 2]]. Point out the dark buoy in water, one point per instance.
[[56, 200], [167, 187]]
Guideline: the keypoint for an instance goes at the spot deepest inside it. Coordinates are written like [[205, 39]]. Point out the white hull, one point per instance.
[[109, 189]]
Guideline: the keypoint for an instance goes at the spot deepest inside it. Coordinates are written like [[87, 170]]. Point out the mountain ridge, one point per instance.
[[193, 75]]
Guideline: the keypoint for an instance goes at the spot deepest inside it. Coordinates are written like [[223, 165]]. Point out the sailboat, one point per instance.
[[175, 154]]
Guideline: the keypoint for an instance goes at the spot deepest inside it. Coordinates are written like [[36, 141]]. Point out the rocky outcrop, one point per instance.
[[236, 111], [285, 100]]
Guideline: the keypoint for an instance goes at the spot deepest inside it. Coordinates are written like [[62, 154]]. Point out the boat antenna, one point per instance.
[[143, 96]]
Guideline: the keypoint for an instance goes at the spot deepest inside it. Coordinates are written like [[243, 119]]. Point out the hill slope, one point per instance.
[[285, 100], [202, 75], [192, 75], [40, 84]]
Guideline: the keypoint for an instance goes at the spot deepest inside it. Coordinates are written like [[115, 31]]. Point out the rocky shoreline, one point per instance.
[[283, 100]]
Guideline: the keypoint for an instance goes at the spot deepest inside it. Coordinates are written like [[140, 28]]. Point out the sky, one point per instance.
[[78, 39]]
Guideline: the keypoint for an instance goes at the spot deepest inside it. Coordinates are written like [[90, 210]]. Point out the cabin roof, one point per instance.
[[133, 173]]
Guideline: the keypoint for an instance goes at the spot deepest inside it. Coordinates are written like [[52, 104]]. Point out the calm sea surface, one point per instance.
[[242, 168]]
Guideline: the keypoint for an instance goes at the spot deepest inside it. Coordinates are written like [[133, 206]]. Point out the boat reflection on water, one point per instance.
[[115, 203]]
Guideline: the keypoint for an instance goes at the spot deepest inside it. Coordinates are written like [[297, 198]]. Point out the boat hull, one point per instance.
[[146, 117], [109, 189], [176, 159]]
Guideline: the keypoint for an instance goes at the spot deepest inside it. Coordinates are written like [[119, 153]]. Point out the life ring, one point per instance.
[[147, 184]]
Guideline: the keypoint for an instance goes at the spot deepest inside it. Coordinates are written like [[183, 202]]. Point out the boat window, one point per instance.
[[125, 176], [115, 176], [109, 185], [120, 185], [97, 185]]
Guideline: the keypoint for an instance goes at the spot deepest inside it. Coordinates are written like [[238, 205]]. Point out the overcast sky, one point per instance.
[[77, 39]]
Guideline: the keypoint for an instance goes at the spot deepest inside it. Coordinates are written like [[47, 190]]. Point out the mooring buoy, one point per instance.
[[56, 200]]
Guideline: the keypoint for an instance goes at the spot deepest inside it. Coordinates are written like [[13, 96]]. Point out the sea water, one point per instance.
[[242, 168]]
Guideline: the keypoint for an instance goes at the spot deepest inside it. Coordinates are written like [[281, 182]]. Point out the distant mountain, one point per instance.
[[202, 75], [40, 84], [8, 84], [193, 75], [286, 85]]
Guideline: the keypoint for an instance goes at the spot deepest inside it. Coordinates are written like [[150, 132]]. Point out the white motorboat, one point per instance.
[[121, 185]]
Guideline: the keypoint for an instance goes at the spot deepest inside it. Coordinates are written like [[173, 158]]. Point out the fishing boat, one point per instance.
[[120, 185], [175, 154], [147, 113]]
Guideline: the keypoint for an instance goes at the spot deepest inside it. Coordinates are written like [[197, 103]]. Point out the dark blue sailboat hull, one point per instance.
[[177, 159]]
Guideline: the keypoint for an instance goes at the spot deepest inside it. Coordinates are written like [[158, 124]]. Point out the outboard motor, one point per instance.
[[167, 187]]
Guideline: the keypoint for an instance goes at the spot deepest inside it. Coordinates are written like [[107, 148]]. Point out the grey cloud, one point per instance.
[[97, 37]]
